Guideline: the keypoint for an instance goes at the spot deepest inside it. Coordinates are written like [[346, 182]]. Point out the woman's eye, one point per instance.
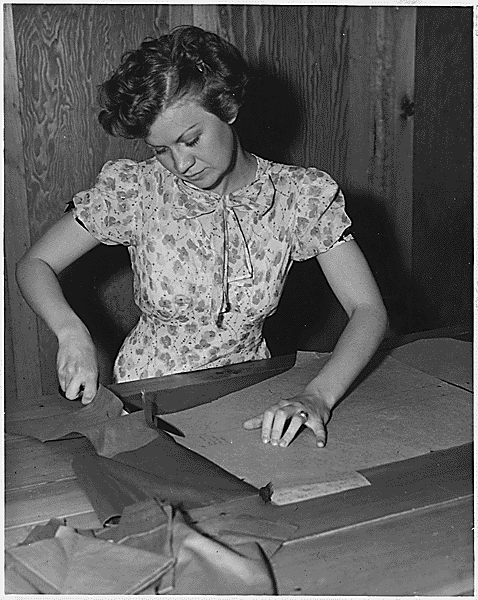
[[159, 151], [193, 142]]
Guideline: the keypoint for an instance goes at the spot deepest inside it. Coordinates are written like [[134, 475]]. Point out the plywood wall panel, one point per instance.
[[180, 14], [329, 85], [9, 375], [64, 52], [378, 153], [443, 167], [206, 16], [22, 361], [299, 54]]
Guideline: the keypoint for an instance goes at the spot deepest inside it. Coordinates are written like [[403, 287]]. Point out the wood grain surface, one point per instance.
[[379, 558], [443, 166], [22, 375], [378, 170]]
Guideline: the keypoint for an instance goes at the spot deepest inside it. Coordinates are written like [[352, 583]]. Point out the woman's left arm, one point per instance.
[[351, 280]]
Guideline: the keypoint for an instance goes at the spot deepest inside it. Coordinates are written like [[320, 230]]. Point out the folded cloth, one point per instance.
[[141, 523], [163, 469], [101, 421], [239, 531], [71, 563], [153, 551], [204, 567]]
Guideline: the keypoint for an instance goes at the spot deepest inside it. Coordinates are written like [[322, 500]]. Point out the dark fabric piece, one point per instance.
[[164, 456], [163, 469], [199, 387], [101, 422], [156, 551], [107, 494], [142, 526], [69, 563]]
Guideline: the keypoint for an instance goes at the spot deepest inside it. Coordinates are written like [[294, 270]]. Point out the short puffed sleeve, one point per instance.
[[321, 221], [109, 210]]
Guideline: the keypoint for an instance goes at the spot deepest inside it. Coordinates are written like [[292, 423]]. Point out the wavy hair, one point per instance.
[[186, 63]]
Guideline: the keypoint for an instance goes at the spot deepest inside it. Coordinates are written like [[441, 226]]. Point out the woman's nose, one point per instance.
[[183, 161]]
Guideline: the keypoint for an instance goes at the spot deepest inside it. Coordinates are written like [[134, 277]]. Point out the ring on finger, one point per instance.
[[303, 415]]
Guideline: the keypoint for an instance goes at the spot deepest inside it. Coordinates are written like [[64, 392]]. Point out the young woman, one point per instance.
[[212, 231]]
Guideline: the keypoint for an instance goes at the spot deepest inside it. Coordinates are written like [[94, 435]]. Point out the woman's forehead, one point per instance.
[[175, 121]]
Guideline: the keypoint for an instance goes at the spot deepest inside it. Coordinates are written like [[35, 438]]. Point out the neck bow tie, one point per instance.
[[255, 199], [193, 202]]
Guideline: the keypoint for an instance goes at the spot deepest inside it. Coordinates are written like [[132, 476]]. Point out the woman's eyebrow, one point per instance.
[[187, 130], [179, 138]]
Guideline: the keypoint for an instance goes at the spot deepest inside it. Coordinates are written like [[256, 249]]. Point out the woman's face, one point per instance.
[[195, 145]]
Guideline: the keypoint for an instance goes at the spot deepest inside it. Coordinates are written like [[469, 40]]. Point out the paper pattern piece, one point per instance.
[[397, 412], [445, 358]]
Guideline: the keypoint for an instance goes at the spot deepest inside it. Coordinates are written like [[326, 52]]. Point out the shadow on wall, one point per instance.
[[375, 232], [309, 316], [269, 121], [99, 288]]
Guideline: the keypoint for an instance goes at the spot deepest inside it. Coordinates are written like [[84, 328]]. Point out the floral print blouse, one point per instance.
[[208, 269]]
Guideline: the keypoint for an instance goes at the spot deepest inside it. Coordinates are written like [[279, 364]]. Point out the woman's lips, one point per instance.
[[196, 175]]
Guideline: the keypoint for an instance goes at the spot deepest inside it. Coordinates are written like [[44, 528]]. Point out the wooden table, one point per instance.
[[409, 533]]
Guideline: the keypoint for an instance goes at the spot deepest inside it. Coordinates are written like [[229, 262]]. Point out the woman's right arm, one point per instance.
[[37, 276]]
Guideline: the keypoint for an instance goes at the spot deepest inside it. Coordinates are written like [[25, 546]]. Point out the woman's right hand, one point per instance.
[[37, 276], [77, 365]]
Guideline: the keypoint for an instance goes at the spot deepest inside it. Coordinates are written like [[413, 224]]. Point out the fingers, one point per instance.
[[295, 424], [89, 391], [277, 427], [253, 423], [274, 422], [320, 434], [77, 366], [265, 420], [76, 383], [78, 387], [282, 422], [268, 421]]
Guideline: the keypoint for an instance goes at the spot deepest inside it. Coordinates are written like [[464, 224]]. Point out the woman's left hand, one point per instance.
[[281, 422]]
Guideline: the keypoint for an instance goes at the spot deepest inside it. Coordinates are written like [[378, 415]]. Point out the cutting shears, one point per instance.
[[153, 420]]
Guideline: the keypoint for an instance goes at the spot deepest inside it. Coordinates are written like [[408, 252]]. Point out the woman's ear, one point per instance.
[[233, 119]]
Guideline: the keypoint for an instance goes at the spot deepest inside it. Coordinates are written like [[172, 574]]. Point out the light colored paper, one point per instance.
[[297, 493], [445, 358], [396, 413]]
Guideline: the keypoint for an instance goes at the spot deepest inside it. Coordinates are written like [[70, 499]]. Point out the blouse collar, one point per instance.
[[256, 197]]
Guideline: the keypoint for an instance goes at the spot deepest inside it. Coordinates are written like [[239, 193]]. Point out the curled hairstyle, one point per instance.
[[186, 63]]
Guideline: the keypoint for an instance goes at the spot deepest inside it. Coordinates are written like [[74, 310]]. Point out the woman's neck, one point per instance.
[[245, 172], [241, 171], [242, 175]]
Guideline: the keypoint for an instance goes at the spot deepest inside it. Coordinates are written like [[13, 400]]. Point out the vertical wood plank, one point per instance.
[[443, 167], [379, 151], [64, 52], [206, 16], [394, 77], [16, 230], [401, 182], [180, 14], [9, 375]]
